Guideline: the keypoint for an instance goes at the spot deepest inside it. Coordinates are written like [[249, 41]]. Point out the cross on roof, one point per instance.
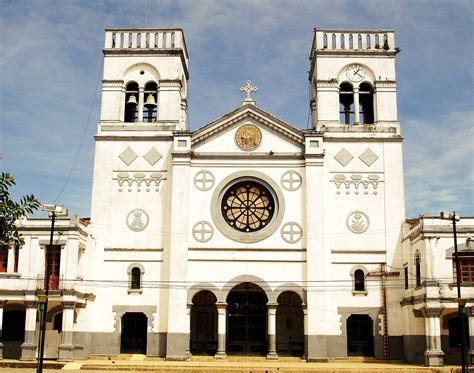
[[249, 88]]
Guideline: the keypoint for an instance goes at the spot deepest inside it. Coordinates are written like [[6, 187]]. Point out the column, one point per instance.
[[28, 348], [356, 106], [141, 102], [11, 259], [470, 324], [305, 328], [66, 347], [221, 329], [2, 306], [188, 327], [434, 356], [272, 354]]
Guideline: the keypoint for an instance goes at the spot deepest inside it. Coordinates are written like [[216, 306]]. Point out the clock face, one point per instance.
[[355, 73]]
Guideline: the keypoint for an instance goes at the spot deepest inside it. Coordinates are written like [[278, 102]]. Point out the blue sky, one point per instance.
[[51, 61]]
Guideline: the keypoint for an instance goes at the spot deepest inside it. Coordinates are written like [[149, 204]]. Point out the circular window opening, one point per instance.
[[142, 72], [248, 206]]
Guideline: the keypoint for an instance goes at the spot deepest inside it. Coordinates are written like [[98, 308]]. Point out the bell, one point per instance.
[[132, 100], [150, 100]]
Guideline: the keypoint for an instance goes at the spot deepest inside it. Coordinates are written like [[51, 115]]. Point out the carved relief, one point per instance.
[[357, 222], [248, 137], [343, 157], [202, 231], [368, 157], [356, 183], [137, 220], [152, 156], [128, 156], [291, 180], [204, 180], [291, 232], [139, 180]]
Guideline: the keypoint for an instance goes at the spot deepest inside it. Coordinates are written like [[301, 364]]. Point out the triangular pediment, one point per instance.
[[221, 135]]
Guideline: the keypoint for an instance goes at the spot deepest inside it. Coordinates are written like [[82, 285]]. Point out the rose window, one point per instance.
[[248, 206]]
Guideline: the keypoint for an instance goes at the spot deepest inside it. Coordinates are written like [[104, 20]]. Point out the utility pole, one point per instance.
[[383, 275], [461, 302], [43, 299]]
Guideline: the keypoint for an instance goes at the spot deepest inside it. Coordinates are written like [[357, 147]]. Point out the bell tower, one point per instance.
[[144, 86], [353, 80]]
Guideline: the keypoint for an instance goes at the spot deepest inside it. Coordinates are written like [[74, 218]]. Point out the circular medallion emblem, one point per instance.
[[357, 222], [137, 220], [248, 137]]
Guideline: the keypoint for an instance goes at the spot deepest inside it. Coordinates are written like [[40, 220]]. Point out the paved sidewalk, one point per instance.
[[196, 365]]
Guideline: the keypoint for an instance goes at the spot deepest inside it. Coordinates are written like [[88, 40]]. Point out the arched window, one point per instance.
[[418, 269], [346, 103], [366, 103], [131, 103], [149, 107], [136, 278], [325, 41], [359, 280]]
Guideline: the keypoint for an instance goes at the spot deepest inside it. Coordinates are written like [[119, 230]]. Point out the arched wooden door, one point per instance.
[[247, 320], [289, 325], [204, 324]]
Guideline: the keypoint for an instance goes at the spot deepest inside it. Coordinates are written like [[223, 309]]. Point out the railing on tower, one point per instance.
[[361, 40]]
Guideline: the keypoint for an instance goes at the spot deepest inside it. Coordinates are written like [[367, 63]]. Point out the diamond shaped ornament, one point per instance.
[[368, 157], [128, 156], [343, 157], [152, 156]]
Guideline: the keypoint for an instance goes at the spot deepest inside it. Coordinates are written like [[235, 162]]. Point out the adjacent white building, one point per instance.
[[247, 236]]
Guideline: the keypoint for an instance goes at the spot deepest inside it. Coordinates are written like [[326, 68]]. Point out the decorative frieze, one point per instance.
[[356, 183], [139, 180]]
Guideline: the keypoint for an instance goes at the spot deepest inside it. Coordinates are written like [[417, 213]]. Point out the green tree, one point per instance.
[[10, 211]]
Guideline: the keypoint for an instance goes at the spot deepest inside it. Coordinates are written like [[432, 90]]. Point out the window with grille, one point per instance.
[[466, 263], [3, 260], [248, 206]]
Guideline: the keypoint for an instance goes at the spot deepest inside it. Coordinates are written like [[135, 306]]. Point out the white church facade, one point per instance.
[[247, 236]]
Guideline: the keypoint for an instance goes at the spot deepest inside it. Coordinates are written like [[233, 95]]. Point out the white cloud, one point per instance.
[[439, 163]]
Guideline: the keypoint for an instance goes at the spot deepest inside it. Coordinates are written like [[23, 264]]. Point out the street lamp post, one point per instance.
[[53, 211], [461, 302]]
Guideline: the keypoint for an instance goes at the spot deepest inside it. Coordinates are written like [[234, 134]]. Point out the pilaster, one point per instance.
[[28, 348], [221, 329], [434, 355], [66, 347], [271, 325], [2, 306]]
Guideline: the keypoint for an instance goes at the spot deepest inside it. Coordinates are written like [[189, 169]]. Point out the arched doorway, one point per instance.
[[204, 324], [13, 333], [289, 325], [247, 320], [53, 335], [134, 333], [360, 336]]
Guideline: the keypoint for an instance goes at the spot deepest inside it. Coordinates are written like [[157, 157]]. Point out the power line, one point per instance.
[[82, 138]]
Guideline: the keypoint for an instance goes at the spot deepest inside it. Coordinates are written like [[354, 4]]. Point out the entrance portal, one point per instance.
[[360, 336], [289, 325], [134, 332], [204, 324], [247, 320]]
